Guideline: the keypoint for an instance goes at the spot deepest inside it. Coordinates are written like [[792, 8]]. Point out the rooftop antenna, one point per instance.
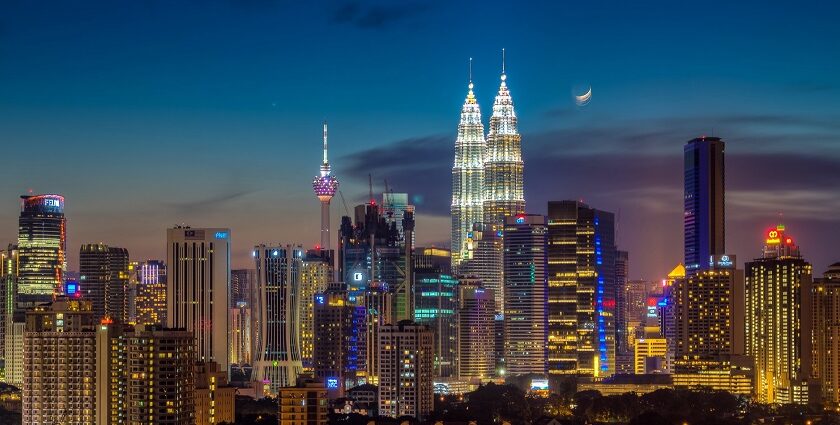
[[470, 70], [503, 61], [325, 142]]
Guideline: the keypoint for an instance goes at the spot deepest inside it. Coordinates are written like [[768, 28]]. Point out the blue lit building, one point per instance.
[[339, 344], [436, 303], [704, 218]]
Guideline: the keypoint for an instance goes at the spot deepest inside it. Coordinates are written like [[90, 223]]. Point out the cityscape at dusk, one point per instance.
[[359, 212]]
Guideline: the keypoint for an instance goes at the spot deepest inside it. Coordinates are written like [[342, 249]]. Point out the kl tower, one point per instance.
[[325, 187]]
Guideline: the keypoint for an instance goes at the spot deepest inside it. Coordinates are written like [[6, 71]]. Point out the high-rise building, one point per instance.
[[406, 358], [59, 372], [467, 177], [581, 290], [436, 301], [433, 258], [165, 357], [214, 398], [112, 373], [150, 298], [525, 320], [486, 259], [394, 207], [668, 311], [825, 316], [378, 302], [276, 336], [104, 276], [325, 185], [303, 404], [197, 294], [778, 320], [315, 273], [42, 247], [704, 224], [242, 284], [339, 345], [504, 193], [623, 354], [476, 326], [240, 334], [8, 292]]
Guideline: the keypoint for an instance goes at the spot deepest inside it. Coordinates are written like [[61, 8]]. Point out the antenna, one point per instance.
[[370, 189], [471, 70], [503, 60], [325, 142]]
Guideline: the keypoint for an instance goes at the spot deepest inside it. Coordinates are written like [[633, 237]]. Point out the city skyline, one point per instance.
[[645, 106]]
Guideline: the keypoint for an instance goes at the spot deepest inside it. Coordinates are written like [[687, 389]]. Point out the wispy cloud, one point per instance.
[[377, 16], [215, 201]]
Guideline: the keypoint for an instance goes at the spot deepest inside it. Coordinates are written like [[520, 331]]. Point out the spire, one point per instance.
[[504, 76], [470, 95], [326, 162]]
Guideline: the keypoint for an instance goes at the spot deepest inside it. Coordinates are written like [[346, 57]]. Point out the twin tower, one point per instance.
[[487, 178]]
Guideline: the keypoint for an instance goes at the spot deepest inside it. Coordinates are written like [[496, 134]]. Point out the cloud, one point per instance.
[[376, 16], [213, 202]]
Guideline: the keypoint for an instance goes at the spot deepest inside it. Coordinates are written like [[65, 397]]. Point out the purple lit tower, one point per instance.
[[325, 187]]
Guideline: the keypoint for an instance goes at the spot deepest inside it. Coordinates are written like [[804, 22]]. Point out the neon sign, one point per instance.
[[332, 383], [221, 235], [520, 219], [319, 299], [773, 237], [357, 276]]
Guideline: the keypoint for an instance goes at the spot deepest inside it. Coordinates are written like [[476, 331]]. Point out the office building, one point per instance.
[[623, 355], [486, 259], [325, 185], [436, 301], [197, 294], [406, 360], [504, 194], [242, 285], [150, 293], [276, 335], [476, 329], [240, 334], [433, 258], [42, 247], [303, 404], [581, 290], [315, 273], [59, 364], [378, 302], [704, 214], [778, 325], [467, 177], [214, 398], [825, 316], [8, 291], [525, 320], [340, 341], [103, 279]]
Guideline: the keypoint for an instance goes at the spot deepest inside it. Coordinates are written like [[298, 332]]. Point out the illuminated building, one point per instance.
[[467, 176], [59, 364], [436, 301], [476, 314], [704, 224], [724, 373], [433, 258], [378, 302], [486, 260], [581, 290], [165, 357], [650, 351], [315, 273], [8, 292], [198, 274], [623, 356], [41, 247], [622, 384], [525, 294], [150, 298], [214, 398], [276, 335], [778, 325], [825, 295], [242, 284], [111, 372], [240, 334], [406, 359], [339, 345], [325, 185], [394, 207], [303, 404], [503, 167], [104, 280]]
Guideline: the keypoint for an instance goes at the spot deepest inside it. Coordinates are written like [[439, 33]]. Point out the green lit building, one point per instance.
[[436, 302]]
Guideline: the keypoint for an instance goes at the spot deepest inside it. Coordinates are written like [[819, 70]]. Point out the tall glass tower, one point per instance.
[[503, 167], [467, 177], [704, 202], [42, 246]]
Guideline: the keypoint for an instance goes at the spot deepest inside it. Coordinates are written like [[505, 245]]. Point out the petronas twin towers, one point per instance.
[[487, 182]]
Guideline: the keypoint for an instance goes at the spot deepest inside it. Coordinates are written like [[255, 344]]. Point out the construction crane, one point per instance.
[[346, 210]]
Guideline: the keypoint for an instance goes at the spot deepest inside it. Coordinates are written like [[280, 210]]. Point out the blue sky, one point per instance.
[[150, 114]]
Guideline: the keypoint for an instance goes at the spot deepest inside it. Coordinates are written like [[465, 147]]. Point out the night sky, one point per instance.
[[156, 113]]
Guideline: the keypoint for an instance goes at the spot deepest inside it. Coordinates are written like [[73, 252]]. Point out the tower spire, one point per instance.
[[326, 162], [470, 70], [503, 61]]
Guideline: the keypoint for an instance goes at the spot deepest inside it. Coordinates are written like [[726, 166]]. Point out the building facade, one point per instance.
[[476, 328], [315, 273], [704, 214], [104, 280], [525, 320], [42, 247], [303, 404], [197, 294], [214, 398], [406, 359], [150, 293], [436, 301], [825, 317]]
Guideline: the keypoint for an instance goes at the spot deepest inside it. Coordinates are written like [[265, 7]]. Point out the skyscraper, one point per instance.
[[8, 292], [315, 273], [581, 289], [276, 336], [103, 275], [405, 370], [394, 207], [436, 300], [476, 312], [198, 262], [150, 301], [503, 167], [705, 227], [825, 317], [467, 176], [42, 247], [486, 259], [622, 351], [778, 325], [340, 340], [325, 185], [525, 288]]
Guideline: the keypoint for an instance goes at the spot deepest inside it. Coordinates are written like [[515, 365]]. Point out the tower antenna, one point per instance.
[[325, 143], [471, 70], [503, 60], [370, 188]]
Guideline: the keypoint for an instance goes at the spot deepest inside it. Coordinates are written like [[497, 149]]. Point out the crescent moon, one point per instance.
[[584, 98]]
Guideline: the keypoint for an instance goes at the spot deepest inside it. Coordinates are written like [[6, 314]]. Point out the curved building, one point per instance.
[[503, 167], [467, 177], [276, 339], [42, 247]]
